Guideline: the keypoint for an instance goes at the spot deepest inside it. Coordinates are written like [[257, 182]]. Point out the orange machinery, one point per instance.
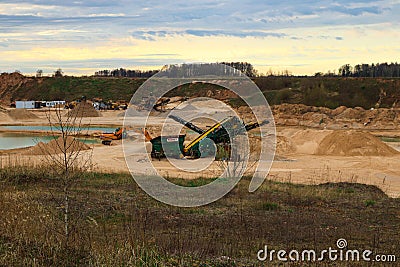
[[107, 138]]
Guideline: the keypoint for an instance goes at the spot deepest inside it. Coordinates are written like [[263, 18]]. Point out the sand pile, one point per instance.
[[22, 114], [353, 143], [9, 84], [284, 145], [338, 110], [316, 117], [302, 115], [84, 109], [356, 113], [387, 115], [4, 117], [307, 141], [56, 146]]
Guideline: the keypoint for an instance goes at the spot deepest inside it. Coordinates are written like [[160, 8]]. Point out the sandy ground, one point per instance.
[[298, 165]]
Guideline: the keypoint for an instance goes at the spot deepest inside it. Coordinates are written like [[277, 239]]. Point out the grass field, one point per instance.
[[117, 224]]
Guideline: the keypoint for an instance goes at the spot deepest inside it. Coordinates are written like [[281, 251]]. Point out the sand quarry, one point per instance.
[[314, 145]]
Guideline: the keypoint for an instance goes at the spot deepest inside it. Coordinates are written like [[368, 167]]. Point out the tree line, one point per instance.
[[391, 70], [244, 67], [121, 72]]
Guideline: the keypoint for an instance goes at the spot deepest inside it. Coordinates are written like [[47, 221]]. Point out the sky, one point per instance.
[[304, 37]]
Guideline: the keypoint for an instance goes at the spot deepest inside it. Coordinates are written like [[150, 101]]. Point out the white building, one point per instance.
[[26, 104], [52, 104], [39, 104]]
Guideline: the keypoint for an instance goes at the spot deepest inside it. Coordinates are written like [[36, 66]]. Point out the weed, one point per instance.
[[369, 203], [270, 206]]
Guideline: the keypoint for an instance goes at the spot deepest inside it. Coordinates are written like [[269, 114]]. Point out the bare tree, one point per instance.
[[67, 157], [237, 162]]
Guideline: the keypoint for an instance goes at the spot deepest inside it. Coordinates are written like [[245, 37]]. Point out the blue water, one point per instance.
[[48, 128], [20, 140]]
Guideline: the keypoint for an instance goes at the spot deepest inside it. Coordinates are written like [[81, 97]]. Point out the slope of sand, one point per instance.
[[353, 143], [341, 117], [307, 141], [284, 145], [57, 146], [4, 117], [84, 109], [21, 114]]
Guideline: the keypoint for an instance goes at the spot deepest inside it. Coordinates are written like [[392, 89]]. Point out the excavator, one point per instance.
[[107, 138], [203, 145], [160, 104]]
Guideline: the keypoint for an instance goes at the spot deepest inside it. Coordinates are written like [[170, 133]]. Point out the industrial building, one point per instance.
[[38, 104]]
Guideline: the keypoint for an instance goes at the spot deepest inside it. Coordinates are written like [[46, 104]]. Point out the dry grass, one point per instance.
[[116, 224]]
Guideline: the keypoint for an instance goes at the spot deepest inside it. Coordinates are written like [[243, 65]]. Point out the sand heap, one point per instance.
[[284, 145], [357, 113], [4, 117], [302, 115], [84, 109], [22, 114], [56, 146], [307, 141], [9, 84], [353, 143]]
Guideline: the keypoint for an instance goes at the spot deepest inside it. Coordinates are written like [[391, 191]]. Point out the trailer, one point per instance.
[[27, 104]]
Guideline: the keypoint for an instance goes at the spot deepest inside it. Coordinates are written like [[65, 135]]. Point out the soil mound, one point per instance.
[[353, 143], [9, 83], [284, 145], [4, 117], [22, 114], [356, 113], [338, 110], [56, 146], [307, 141], [84, 109]]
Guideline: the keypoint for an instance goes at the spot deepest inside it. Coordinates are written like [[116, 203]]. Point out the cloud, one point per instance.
[[241, 34], [354, 11], [150, 35], [89, 66], [26, 25], [105, 15], [82, 3], [153, 35]]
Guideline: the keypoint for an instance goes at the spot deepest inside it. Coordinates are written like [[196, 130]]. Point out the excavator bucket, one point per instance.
[[147, 135]]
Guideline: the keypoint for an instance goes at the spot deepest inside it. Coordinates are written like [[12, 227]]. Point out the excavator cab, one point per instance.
[[107, 138]]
